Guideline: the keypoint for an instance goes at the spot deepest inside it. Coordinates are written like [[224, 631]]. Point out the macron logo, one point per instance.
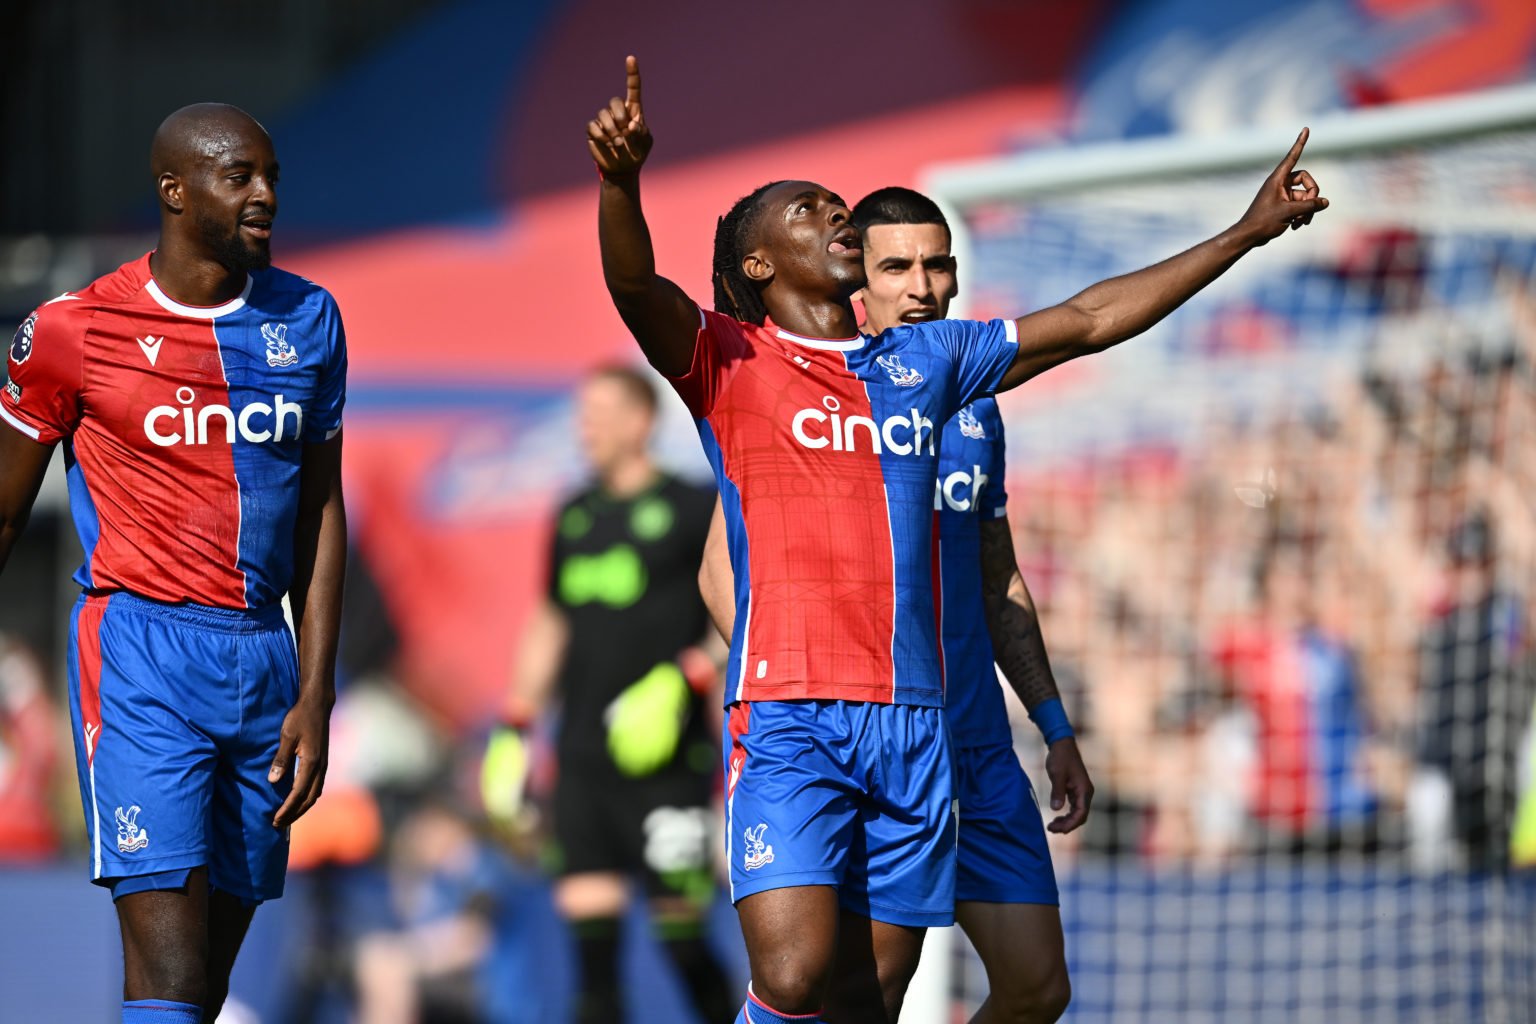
[[151, 346]]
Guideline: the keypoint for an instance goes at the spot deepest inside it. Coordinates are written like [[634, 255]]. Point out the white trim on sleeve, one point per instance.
[[32, 432]]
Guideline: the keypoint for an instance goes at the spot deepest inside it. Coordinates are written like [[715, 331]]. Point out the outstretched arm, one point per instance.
[[23, 464], [657, 312], [1122, 307], [1019, 649]]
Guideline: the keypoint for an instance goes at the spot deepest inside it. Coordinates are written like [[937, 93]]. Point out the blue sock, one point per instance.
[[755, 1011], [161, 1011]]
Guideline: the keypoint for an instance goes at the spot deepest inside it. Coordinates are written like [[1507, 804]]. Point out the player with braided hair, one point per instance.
[[734, 293], [840, 822], [1006, 898]]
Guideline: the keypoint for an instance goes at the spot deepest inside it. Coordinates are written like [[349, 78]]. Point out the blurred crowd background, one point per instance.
[[1284, 547]]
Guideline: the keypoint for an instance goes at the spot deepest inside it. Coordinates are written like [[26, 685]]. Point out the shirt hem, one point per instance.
[[874, 693]]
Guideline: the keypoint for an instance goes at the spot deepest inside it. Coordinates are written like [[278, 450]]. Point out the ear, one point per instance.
[[757, 268], [169, 187]]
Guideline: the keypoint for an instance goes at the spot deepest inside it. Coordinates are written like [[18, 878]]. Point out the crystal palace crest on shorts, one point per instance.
[[130, 838], [758, 852]]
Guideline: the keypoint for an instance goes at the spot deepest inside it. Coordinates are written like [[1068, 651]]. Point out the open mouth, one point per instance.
[[920, 315], [260, 227], [846, 242]]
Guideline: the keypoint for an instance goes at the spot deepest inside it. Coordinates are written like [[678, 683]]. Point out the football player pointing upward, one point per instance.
[[824, 444], [1005, 889], [198, 395]]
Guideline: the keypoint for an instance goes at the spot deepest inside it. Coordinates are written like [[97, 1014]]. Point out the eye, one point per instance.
[[240, 179], [803, 206]]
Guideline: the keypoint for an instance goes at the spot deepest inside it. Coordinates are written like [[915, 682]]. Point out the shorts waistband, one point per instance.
[[224, 620]]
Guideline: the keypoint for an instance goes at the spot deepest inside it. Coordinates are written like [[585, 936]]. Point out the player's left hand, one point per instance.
[[1069, 785], [303, 743], [1288, 198]]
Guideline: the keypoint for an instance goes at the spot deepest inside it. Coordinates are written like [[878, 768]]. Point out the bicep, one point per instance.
[[665, 322], [23, 464], [1047, 338], [320, 475]]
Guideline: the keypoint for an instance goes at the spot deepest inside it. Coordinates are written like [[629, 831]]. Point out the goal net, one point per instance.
[[1284, 545]]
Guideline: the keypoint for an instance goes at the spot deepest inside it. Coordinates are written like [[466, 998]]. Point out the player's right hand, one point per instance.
[[504, 775], [618, 136]]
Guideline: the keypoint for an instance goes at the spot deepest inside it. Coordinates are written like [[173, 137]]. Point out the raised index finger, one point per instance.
[[1289, 163], [632, 82]]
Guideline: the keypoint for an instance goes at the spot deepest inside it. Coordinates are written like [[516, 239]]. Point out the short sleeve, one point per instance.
[[719, 348], [43, 367], [994, 498], [324, 421], [982, 351]]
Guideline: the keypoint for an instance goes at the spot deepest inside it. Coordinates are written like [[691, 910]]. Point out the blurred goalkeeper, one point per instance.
[[615, 636]]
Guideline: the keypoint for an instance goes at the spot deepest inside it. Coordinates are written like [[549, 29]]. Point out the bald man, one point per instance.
[[197, 393]]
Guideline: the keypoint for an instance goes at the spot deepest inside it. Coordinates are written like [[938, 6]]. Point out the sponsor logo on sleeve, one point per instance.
[[21, 344], [13, 390]]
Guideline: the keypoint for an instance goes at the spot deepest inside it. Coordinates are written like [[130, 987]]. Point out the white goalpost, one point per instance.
[[1285, 551]]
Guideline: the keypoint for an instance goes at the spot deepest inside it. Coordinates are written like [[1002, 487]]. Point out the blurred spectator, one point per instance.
[[446, 889], [1476, 695], [29, 752], [1310, 786]]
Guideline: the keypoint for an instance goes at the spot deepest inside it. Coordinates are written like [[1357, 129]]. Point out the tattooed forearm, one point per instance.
[[1017, 643]]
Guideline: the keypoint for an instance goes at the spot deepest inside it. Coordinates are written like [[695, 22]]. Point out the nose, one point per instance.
[[922, 287], [264, 191], [839, 214]]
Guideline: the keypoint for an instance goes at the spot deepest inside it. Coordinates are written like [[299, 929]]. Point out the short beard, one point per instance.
[[231, 251]]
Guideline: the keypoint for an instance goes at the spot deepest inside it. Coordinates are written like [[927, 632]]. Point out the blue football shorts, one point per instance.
[[176, 711], [848, 794], [1003, 857]]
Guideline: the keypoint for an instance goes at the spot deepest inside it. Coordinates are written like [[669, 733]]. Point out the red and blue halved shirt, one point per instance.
[[826, 455], [184, 427]]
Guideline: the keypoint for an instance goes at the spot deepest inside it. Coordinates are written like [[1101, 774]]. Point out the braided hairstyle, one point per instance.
[[736, 294]]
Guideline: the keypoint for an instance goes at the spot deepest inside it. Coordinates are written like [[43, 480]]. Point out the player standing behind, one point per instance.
[[1005, 889], [198, 393], [839, 819], [614, 640]]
